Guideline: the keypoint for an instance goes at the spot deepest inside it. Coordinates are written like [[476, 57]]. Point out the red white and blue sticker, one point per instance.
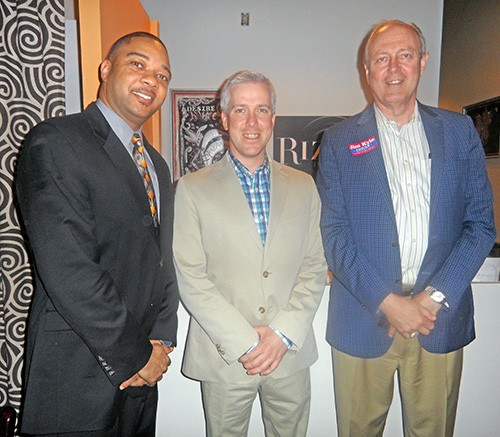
[[363, 147]]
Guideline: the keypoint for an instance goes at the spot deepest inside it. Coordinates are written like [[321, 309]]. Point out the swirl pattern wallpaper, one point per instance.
[[31, 90]]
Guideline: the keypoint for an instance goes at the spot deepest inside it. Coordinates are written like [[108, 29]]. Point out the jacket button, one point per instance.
[[262, 310], [265, 274]]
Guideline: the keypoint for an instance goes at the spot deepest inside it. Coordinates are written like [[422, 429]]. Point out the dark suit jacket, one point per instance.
[[105, 282], [361, 238]]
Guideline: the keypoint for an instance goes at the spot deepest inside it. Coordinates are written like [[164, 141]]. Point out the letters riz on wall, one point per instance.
[[297, 140]]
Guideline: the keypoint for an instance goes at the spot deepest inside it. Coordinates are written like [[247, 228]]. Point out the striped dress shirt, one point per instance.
[[407, 162]]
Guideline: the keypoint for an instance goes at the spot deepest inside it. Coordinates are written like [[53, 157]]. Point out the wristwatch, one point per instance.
[[437, 296]]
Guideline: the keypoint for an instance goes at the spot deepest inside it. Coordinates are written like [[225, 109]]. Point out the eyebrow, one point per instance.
[[143, 56]]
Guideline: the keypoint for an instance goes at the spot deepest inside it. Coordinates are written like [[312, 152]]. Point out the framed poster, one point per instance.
[[486, 118], [198, 138]]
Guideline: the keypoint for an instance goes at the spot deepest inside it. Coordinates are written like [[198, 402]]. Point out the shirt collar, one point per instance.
[[242, 170], [384, 121], [119, 126]]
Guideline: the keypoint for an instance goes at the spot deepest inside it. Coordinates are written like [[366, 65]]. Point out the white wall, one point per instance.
[[180, 411], [309, 49]]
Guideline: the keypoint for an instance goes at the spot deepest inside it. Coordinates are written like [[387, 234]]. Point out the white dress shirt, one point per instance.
[[407, 162]]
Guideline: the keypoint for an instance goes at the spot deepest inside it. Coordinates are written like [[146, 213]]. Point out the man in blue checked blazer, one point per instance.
[[406, 222]]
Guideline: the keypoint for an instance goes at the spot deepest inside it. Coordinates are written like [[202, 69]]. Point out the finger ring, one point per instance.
[[413, 334]]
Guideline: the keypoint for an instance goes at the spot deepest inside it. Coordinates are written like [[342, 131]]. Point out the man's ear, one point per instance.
[[104, 70], [223, 119], [423, 62], [367, 72]]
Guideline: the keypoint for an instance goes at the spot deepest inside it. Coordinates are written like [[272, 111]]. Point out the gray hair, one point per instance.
[[242, 77], [377, 27]]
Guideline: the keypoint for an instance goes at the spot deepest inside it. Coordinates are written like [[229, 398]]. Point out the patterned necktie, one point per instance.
[[140, 161]]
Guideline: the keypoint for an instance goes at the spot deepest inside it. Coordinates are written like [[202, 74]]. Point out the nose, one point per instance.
[[393, 64], [251, 119], [150, 79]]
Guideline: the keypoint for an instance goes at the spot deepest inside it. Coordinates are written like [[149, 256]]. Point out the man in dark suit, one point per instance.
[[406, 221], [103, 318]]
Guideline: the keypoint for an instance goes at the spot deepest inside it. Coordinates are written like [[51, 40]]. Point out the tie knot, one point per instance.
[[136, 140]]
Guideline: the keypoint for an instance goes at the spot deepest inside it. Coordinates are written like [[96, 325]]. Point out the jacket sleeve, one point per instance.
[[478, 227]]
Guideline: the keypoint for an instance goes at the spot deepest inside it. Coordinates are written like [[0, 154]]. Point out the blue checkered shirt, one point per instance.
[[257, 189]]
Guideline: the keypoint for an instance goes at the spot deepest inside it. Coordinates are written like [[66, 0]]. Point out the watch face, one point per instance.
[[437, 296]]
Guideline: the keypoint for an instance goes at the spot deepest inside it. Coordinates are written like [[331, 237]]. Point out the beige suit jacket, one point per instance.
[[229, 282]]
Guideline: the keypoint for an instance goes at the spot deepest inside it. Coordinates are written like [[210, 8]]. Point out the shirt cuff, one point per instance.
[[167, 343], [285, 339]]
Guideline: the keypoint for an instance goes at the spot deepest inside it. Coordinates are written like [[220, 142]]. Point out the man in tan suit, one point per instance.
[[251, 272]]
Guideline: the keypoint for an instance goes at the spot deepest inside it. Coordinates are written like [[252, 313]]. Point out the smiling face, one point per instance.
[[249, 122], [135, 80], [394, 68]]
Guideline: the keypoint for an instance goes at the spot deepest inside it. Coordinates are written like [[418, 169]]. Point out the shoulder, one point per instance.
[[351, 123], [290, 172], [61, 124], [72, 127], [205, 180], [450, 119], [356, 128], [205, 174], [52, 133], [300, 181]]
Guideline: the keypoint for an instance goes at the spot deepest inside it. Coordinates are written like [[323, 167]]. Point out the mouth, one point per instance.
[[394, 82], [251, 136], [145, 97]]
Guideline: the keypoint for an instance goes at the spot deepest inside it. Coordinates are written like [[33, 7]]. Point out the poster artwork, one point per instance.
[[486, 118], [198, 135]]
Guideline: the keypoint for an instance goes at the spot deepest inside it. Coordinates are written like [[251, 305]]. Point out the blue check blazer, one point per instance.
[[360, 235]]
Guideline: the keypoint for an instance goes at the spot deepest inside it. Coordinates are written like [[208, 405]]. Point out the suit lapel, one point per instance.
[[166, 201], [434, 133], [279, 191], [374, 159], [121, 160], [236, 201]]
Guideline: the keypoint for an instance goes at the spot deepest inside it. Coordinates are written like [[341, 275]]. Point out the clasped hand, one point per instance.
[[410, 315], [266, 356], [153, 371]]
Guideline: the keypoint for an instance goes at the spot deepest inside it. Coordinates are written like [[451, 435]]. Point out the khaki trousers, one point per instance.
[[285, 405], [428, 385]]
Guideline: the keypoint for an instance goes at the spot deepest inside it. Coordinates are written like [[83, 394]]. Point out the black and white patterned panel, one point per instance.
[[31, 90]]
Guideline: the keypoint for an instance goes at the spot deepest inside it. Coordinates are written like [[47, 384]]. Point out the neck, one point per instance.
[[400, 114], [251, 164]]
